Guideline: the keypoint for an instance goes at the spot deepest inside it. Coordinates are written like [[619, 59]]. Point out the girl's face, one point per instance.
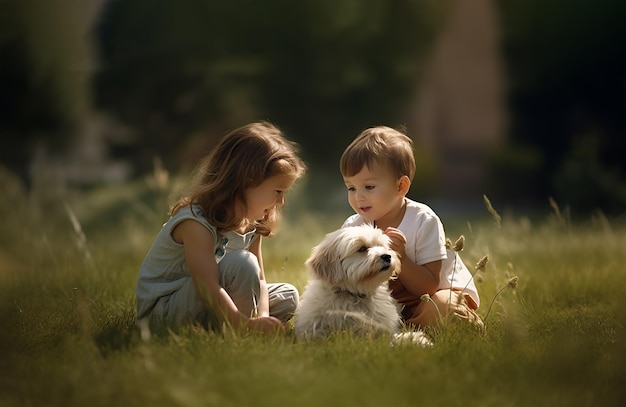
[[375, 194], [269, 194]]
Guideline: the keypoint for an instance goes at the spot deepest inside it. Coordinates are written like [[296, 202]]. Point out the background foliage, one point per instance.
[[566, 66], [171, 77], [321, 70]]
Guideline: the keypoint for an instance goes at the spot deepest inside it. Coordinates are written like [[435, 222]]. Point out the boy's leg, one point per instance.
[[283, 299], [463, 308], [444, 304]]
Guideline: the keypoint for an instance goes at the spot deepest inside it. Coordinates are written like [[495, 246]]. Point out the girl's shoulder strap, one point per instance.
[[193, 212]]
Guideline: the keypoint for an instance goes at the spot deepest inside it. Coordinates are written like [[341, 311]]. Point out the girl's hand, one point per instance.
[[266, 325], [398, 241]]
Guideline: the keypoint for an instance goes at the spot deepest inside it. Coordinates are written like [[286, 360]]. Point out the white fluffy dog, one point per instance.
[[348, 290]]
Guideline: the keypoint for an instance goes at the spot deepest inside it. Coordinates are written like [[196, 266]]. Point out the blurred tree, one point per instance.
[[322, 70], [45, 68], [567, 69], [180, 74]]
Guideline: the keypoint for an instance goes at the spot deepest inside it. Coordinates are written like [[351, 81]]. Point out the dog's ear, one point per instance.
[[324, 261]]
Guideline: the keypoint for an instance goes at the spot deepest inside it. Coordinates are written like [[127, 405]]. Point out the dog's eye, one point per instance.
[[362, 249]]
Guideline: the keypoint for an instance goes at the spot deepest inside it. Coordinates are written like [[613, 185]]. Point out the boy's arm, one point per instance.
[[418, 279]]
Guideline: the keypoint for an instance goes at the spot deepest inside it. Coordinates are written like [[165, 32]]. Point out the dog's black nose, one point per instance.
[[386, 257]]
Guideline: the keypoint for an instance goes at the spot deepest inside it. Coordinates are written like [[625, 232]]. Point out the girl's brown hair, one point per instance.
[[243, 159], [383, 145]]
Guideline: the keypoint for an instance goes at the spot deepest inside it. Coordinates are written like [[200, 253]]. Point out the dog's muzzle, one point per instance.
[[386, 262]]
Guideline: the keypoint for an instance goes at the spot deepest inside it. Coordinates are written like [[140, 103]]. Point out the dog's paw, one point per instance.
[[418, 338]]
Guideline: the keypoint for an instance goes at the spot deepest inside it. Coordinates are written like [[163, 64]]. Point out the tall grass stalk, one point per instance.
[[457, 247], [511, 284], [81, 239]]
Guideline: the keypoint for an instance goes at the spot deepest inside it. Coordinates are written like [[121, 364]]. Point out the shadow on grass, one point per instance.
[[117, 333]]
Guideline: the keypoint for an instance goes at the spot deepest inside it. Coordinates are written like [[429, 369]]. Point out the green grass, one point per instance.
[[67, 334]]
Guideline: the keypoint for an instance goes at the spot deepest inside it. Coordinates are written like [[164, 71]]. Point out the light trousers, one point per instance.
[[239, 272]]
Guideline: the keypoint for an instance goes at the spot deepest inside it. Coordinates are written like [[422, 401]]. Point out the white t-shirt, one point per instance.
[[426, 242]]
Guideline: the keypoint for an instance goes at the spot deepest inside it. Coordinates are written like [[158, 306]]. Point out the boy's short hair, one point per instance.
[[383, 145]]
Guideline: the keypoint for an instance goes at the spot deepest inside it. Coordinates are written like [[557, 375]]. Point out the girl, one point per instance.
[[205, 265]]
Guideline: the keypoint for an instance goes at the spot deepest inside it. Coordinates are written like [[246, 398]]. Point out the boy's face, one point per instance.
[[375, 193]]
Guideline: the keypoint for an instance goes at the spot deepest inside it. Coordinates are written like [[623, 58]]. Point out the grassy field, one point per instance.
[[69, 262]]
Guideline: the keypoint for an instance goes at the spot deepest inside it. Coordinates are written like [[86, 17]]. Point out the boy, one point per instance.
[[378, 167]]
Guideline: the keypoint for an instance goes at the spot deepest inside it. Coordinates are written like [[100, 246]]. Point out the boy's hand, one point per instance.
[[398, 241], [266, 325]]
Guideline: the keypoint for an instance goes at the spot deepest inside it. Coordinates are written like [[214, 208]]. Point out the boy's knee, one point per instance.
[[431, 311], [442, 298], [453, 305]]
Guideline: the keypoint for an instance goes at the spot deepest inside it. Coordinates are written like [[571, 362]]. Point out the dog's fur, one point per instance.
[[348, 290]]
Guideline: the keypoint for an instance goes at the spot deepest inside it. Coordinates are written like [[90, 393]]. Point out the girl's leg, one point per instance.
[[183, 307], [284, 299], [239, 275]]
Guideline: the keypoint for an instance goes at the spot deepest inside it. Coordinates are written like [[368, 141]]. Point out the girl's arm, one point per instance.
[[418, 279], [263, 304], [198, 243]]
